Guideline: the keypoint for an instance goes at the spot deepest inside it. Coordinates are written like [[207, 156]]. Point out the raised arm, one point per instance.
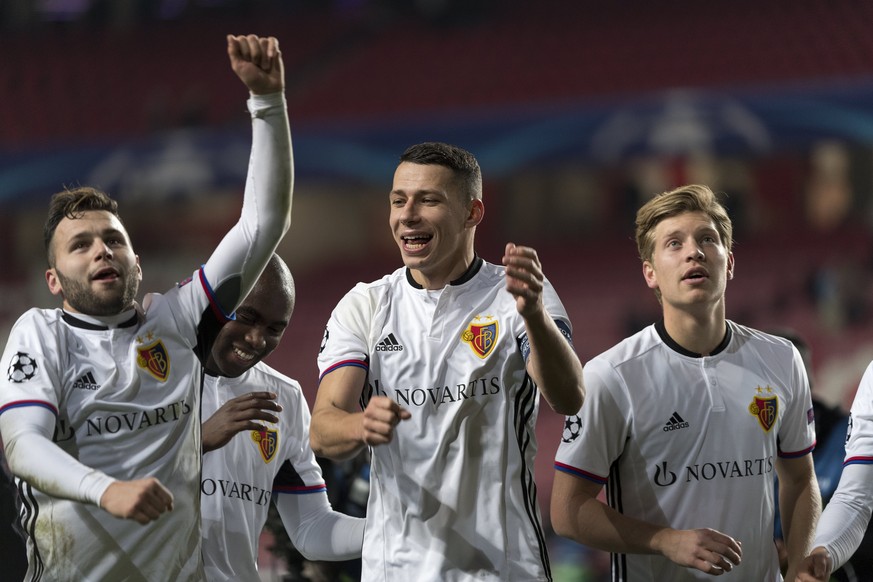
[[578, 514], [552, 363], [237, 263], [339, 429]]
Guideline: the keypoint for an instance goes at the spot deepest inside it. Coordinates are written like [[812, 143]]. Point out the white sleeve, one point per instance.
[[844, 520], [33, 457], [237, 263], [317, 531]]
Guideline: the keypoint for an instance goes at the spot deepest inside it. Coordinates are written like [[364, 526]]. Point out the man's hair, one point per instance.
[[73, 204], [459, 160], [691, 198]]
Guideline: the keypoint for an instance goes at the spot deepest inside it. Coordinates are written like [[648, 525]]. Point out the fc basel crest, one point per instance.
[[765, 408], [155, 359], [482, 335], [267, 441]]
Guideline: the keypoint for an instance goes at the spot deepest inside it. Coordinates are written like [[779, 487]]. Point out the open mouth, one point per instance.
[[695, 275], [246, 356], [106, 274], [416, 242]]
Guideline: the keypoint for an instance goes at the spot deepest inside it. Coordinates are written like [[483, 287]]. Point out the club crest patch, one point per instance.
[[155, 359], [765, 408], [481, 335], [267, 441]]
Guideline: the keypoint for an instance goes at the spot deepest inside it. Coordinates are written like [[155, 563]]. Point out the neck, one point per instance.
[[438, 279], [700, 333]]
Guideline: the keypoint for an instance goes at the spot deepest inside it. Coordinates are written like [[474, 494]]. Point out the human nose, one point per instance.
[[103, 249], [255, 338], [697, 253], [408, 213]]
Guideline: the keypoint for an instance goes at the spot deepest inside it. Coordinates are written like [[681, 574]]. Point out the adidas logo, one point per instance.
[[675, 423], [389, 344], [86, 382]]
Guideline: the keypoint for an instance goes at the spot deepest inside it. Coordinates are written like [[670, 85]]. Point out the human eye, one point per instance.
[[245, 317], [396, 201]]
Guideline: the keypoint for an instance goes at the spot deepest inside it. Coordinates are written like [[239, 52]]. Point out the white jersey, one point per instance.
[[845, 519], [452, 496], [689, 442], [240, 478], [124, 395], [129, 421]]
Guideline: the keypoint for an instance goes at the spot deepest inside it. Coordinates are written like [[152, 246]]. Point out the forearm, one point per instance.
[[33, 457], [553, 365], [335, 433], [587, 520], [317, 531], [800, 507], [844, 521], [266, 210]]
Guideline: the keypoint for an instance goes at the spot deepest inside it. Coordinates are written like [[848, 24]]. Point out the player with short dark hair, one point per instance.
[[256, 445], [447, 356], [100, 403], [685, 422]]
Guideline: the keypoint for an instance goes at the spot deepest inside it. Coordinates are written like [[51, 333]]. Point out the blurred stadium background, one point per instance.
[[576, 110]]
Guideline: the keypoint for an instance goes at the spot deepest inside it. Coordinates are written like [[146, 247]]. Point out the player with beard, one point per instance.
[[99, 402], [256, 445]]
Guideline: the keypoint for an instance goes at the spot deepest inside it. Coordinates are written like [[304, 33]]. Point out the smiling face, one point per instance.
[[433, 225], [689, 264], [93, 267], [260, 323]]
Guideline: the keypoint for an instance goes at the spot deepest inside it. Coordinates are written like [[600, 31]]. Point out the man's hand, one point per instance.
[[703, 549], [816, 567], [380, 417], [524, 278], [237, 415], [143, 500], [257, 61]]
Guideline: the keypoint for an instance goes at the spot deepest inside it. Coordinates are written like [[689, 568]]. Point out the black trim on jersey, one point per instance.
[[288, 476], [613, 499], [671, 343], [29, 513], [468, 274], [73, 321], [523, 409]]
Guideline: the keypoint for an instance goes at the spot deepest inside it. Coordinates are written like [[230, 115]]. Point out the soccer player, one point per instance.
[[845, 518], [256, 445], [685, 422], [447, 356], [99, 405]]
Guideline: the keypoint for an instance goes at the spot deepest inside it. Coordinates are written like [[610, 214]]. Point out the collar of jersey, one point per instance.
[[92, 322], [468, 274], [665, 337]]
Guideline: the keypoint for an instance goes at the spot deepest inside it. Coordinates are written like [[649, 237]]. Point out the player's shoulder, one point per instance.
[[631, 348], [37, 320], [760, 340]]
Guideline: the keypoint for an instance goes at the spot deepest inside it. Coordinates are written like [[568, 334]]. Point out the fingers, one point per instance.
[[380, 417], [720, 552], [155, 500], [260, 51]]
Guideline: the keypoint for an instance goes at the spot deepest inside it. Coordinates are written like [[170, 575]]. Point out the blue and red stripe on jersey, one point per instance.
[[580, 473], [300, 489], [22, 403], [359, 363], [858, 461], [793, 455]]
